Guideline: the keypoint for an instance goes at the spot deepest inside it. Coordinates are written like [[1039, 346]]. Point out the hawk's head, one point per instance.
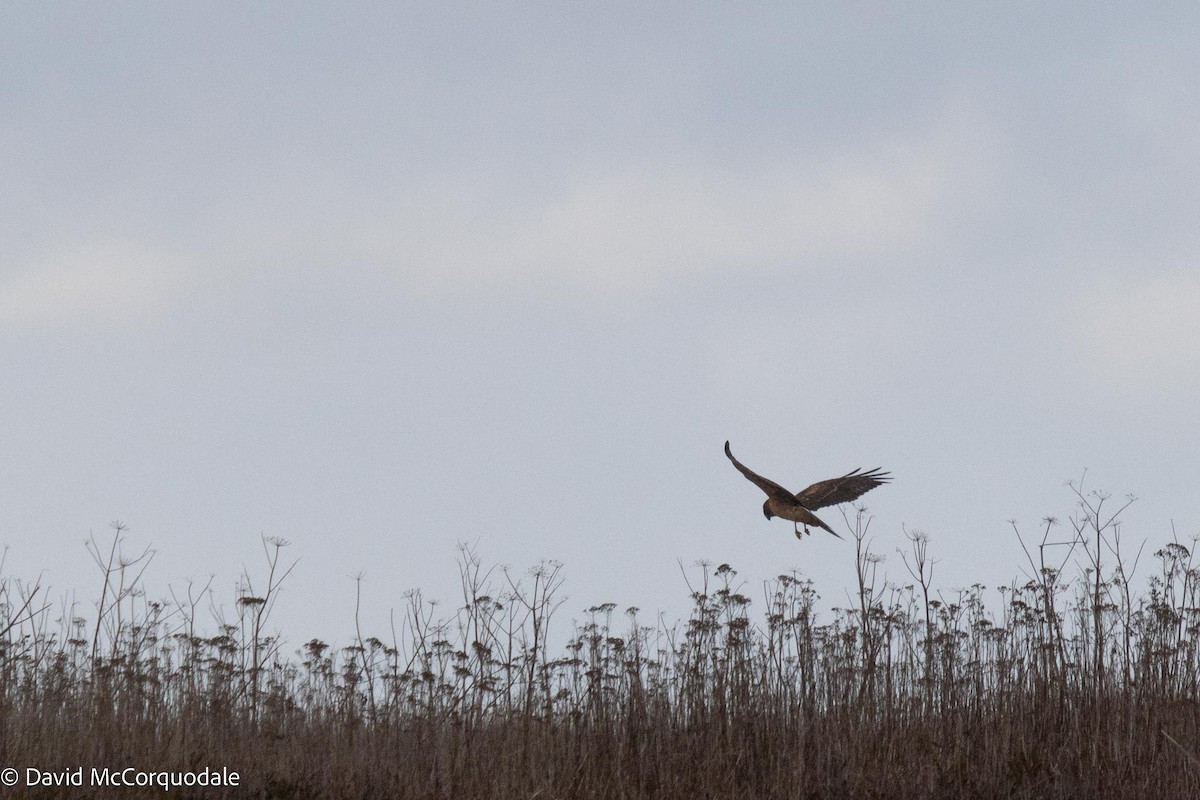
[[767, 509]]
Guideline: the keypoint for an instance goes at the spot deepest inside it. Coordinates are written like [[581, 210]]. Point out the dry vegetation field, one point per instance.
[[1072, 683]]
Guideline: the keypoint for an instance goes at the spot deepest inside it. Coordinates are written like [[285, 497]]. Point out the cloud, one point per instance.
[[602, 231], [627, 229], [111, 282], [1144, 330], [623, 231]]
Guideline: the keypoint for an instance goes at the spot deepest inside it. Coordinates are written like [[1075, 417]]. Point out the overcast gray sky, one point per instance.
[[381, 278]]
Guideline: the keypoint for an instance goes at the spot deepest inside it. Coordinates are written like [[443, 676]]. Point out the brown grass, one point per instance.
[[1070, 687]]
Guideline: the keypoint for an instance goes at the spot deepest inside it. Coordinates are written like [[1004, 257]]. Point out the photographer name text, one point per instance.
[[127, 777]]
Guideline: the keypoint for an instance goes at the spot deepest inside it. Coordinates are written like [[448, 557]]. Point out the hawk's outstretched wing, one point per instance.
[[772, 488], [840, 490]]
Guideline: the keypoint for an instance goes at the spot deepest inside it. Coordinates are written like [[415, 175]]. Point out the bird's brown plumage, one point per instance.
[[798, 507]]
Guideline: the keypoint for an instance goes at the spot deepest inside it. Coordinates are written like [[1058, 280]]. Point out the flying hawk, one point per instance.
[[799, 507]]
